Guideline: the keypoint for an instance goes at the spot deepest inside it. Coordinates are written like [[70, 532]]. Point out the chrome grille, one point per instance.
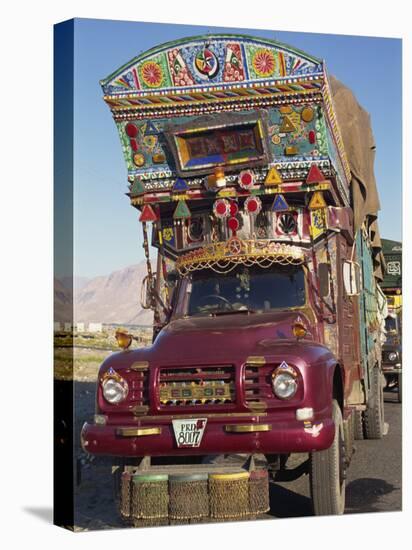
[[138, 397], [197, 386], [258, 386]]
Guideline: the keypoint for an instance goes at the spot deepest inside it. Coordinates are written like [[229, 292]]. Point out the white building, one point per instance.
[[95, 327], [67, 327], [80, 327], [57, 326]]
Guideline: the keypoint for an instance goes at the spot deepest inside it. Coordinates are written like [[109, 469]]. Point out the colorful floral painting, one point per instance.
[[233, 70], [200, 62], [264, 62], [178, 69], [153, 73]]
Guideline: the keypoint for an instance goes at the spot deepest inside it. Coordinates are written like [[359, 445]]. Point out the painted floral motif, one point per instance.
[[233, 70], [152, 74], [192, 62], [178, 69], [150, 142], [264, 62]]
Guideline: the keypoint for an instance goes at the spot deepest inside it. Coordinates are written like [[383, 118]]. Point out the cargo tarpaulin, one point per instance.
[[355, 126]]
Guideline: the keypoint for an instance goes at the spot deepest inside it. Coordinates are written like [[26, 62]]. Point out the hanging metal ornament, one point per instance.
[[246, 179], [221, 208], [233, 224], [253, 205], [234, 208]]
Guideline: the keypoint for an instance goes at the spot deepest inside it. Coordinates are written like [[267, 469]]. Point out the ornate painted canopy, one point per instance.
[[255, 110], [201, 63]]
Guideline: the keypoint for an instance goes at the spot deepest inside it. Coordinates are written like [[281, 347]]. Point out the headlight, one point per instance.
[[114, 391], [284, 382], [392, 356]]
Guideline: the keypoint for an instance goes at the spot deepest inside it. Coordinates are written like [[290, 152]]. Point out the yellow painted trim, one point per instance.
[[140, 410], [138, 432], [255, 360], [140, 365], [221, 415], [199, 96], [247, 428], [252, 99], [230, 477], [256, 406]]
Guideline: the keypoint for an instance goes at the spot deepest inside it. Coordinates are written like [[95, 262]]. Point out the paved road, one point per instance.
[[374, 478], [373, 483]]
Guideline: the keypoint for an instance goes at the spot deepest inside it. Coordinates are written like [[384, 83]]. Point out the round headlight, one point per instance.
[[114, 391], [284, 384], [393, 356]]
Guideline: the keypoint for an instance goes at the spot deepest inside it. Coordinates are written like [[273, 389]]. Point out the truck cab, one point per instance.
[[392, 349]]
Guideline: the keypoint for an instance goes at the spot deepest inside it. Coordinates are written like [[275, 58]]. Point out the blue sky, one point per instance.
[[107, 231]]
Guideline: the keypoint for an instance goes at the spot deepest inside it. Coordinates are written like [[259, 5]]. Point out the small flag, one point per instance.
[[273, 177], [315, 175], [148, 214], [317, 201]]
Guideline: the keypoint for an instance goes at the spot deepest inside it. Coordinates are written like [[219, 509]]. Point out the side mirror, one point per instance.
[[146, 293], [324, 279], [351, 278]]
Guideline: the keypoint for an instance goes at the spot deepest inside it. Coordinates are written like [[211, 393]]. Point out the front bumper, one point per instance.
[[267, 434]]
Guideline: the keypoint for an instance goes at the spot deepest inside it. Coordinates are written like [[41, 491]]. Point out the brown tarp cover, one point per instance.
[[355, 126]]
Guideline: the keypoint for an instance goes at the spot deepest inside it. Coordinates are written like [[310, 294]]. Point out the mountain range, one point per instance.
[[113, 298]]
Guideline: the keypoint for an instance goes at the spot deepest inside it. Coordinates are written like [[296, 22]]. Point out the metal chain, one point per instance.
[[332, 286], [226, 265], [149, 272], [146, 252]]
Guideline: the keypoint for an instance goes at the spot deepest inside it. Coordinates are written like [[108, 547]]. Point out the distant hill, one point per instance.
[[63, 303], [114, 298], [79, 282]]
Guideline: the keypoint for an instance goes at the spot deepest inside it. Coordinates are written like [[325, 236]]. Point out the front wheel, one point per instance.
[[328, 471], [358, 425], [349, 432], [400, 387]]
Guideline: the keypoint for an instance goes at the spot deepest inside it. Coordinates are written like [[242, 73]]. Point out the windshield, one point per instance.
[[251, 289]]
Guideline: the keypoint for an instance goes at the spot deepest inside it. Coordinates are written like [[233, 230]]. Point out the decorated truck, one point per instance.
[[392, 287], [252, 170]]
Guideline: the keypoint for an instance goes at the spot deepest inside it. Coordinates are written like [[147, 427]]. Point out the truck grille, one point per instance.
[[258, 386], [138, 391], [196, 386]]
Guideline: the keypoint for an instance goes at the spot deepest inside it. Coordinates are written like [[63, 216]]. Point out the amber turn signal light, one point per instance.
[[123, 338], [217, 179], [299, 330]]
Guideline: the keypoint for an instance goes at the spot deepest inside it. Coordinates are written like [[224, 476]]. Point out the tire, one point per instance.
[[400, 387], [116, 479], [327, 472], [358, 425], [374, 414], [349, 431]]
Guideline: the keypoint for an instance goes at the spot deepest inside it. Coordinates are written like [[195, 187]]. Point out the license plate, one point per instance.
[[189, 432]]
